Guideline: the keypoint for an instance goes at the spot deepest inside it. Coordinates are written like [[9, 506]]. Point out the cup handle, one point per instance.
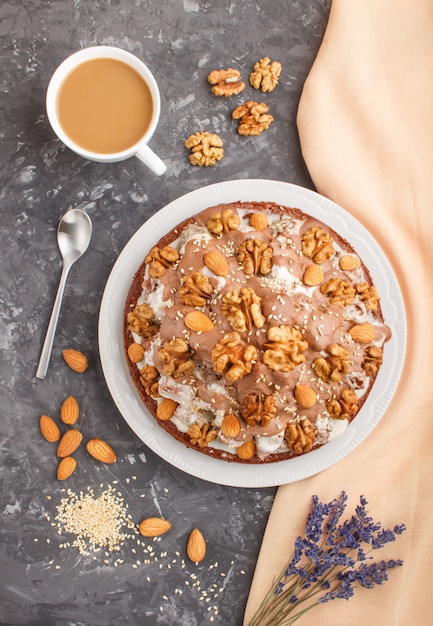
[[149, 158]]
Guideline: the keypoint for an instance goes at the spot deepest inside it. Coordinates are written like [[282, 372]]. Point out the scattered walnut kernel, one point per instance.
[[339, 292], [283, 352], [201, 435], [135, 352], [258, 408], [226, 82], [317, 245], [369, 295], [300, 437], [206, 148], [255, 256], [243, 310], [331, 367], [373, 359], [160, 259], [265, 75], [345, 406], [253, 118], [232, 357], [223, 222], [149, 377], [141, 320], [177, 357], [196, 290]]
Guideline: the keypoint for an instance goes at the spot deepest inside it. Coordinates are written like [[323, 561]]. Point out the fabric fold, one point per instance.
[[365, 123]]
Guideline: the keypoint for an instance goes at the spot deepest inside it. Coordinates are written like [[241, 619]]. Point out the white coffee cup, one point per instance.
[[140, 149]]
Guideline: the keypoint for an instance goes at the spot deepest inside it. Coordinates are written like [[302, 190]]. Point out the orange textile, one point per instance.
[[365, 123]]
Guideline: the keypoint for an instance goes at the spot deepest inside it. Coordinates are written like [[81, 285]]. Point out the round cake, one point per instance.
[[253, 332]]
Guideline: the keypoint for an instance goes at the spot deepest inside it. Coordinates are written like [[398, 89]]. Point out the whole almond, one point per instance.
[[166, 408], [247, 450], [313, 275], [69, 411], [362, 333], [69, 442], [349, 262], [198, 321], [66, 467], [49, 429], [135, 352], [153, 527], [101, 450], [196, 546], [230, 426], [76, 360], [305, 396], [216, 262], [259, 221]]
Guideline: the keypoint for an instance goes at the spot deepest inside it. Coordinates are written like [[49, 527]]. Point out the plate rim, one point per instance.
[[127, 399]]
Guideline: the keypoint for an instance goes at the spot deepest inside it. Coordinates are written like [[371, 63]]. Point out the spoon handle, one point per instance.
[[44, 359]]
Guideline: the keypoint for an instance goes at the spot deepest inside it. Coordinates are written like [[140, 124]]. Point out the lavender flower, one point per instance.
[[333, 556]]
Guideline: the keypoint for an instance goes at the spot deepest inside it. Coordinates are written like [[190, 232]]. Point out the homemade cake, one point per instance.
[[253, 332]]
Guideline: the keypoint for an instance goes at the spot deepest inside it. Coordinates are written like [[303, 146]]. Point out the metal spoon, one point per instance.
[[73, 237]]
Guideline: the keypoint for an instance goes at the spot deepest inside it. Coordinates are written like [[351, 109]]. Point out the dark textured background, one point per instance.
[[181, 41]]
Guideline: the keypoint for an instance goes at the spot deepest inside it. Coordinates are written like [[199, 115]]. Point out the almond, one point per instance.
[[76, 360], [166, 408], [49, 429], [66, 467], [135, 352], [69, 411], [259, 221], [101, 451], [69, 442], [362, 333], [247, 450], [153, 527], [230, 426], [348, 262], [196, 546], [313, 275], [216, 262], [198, 321], [305, 396]]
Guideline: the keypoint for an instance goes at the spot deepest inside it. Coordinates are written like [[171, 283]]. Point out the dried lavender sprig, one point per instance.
[[325, 547]]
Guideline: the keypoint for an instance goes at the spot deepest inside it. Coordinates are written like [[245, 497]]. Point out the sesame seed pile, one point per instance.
[[101, 522]]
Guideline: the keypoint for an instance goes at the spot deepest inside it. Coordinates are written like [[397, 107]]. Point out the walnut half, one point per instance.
[[331, 367], [141, 320], [243, 310], [201, 435], [196, 290], [265, 75], [255, 256], [300, 437], [345, 406], [177, 357], [206, 148], [160, 259], [232, 357], [253, 118], [226, 82], [223, 222], [317, 245], [258, 408], [283, 352]]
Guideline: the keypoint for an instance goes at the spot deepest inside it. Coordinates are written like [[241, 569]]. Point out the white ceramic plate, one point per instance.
[[115, 367]]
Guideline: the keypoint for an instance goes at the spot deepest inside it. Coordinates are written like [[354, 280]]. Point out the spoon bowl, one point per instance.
[[73, 237]]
